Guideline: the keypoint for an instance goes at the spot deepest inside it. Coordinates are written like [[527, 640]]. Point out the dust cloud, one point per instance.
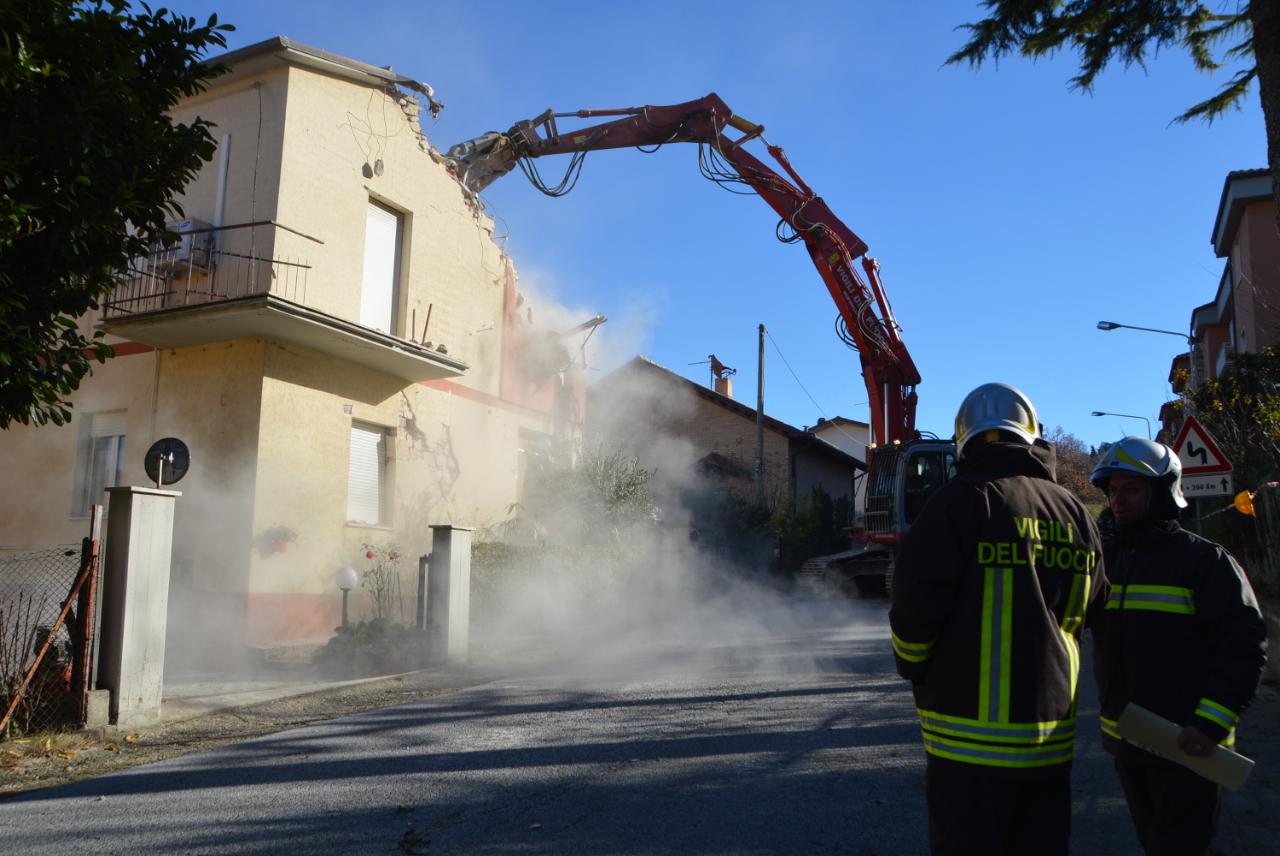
[[601, 595]]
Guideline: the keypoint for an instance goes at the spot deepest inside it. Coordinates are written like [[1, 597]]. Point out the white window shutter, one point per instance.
[[378, 290], [108, 424], [365, 475]]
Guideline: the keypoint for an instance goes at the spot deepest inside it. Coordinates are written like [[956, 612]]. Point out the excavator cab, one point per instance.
[[902, 478]]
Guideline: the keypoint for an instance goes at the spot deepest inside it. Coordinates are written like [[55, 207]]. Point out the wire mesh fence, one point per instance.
[[33, 588]]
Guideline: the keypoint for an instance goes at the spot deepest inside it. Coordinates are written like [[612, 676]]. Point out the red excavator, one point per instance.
[[904, 466]]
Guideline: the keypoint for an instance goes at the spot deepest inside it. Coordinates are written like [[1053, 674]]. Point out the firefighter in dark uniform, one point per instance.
[[991, 588], [1181, 635]]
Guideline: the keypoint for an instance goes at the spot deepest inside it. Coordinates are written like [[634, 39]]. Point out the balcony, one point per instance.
[[193, 294]]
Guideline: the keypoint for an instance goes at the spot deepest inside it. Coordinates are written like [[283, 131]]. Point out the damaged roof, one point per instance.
[[247, 59], [800, 438]]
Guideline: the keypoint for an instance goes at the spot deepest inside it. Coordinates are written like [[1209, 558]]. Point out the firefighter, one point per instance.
[[991, 588], [1181, 635]]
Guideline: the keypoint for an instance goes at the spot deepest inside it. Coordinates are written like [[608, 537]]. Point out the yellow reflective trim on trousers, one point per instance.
[[999, 756], [914, 652], [1021, 733]]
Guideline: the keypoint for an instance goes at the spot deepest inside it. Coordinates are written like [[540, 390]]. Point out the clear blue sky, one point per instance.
[[1008, 212]]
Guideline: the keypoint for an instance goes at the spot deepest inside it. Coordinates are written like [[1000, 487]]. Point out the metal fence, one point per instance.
[[46, 636]]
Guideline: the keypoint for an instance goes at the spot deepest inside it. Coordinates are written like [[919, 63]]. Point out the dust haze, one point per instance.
[[603, 600]]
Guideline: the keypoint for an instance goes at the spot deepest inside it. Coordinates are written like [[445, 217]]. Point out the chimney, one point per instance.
[[724, 386]]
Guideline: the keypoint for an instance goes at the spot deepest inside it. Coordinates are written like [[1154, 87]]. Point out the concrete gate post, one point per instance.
[[135, 602], [449, 592]]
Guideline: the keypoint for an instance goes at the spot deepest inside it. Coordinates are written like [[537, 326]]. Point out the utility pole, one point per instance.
[[760, 422]]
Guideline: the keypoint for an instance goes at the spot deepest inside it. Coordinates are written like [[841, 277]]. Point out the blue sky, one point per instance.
[[1009, 213]]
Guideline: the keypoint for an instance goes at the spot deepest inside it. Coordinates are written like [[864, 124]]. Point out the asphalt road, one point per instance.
[[803, 742]]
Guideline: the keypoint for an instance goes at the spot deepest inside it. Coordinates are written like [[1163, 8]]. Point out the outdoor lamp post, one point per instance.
[[1112, 325], [346, 579], [1126, 416]]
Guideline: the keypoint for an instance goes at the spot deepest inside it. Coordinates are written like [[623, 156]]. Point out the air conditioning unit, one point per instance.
[[193, 249]]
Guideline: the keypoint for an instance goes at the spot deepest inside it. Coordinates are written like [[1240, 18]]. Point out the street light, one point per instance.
[[1126, 416], [346, 578], [1112, 325]]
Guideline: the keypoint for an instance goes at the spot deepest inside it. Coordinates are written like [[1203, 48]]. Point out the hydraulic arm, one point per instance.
[[887, 368]]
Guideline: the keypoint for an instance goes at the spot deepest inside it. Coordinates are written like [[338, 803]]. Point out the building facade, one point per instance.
[[1244, 314], [336, 338], [688, 433]]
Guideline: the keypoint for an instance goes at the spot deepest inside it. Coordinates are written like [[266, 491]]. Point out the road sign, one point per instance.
[[1198, 452], [1213, 484]]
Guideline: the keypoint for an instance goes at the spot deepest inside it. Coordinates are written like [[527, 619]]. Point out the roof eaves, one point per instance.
[[1239, 187], [321, 60]]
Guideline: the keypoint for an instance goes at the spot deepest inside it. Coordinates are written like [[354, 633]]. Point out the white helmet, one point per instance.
[[1138, 456], [996, 406]]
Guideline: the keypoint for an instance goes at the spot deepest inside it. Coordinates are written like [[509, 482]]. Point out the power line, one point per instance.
[[800, 383]]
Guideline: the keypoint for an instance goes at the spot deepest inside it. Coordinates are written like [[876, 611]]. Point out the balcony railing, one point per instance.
[[193, 272]]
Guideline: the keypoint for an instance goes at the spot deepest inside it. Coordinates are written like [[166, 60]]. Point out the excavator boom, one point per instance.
[[888, 371]]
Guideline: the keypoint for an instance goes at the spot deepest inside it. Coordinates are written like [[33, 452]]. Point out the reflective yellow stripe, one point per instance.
[[1217, 714], [1073, 615], [914, 652], [1172, 599], [1020, 733], [1073, 660], [1109, 729], [996, 650], [999, 756]]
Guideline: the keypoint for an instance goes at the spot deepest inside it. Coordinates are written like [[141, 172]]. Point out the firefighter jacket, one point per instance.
[[990, 591], [1181, 633]]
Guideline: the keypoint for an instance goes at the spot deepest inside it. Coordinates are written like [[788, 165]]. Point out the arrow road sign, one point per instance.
[[1198, 452], [1213, 484]]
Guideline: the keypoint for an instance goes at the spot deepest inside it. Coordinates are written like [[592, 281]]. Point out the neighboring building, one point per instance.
[[853, 438], [1244, 315], [686, 432], [339, 341]]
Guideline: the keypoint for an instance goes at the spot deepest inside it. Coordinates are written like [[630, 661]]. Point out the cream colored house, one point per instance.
[[337, 339]]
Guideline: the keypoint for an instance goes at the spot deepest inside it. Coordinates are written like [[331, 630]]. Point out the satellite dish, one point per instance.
[[167, 461]]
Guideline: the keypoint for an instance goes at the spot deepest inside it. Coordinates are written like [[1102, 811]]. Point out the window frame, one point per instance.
[[383, 478]]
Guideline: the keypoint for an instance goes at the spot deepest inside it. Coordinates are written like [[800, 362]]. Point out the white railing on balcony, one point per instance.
[[193, 272]]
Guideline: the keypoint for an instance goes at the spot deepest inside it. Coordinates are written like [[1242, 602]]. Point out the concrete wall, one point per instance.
[[817, 471], [44, 461], [450, 265], [852, 438], [251, 110]]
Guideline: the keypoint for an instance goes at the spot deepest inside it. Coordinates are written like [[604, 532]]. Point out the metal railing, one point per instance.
[[194, 271]]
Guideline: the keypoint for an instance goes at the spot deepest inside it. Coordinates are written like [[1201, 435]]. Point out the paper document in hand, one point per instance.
[[1143, 728]]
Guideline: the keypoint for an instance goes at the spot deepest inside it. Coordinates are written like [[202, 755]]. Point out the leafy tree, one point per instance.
[[1100, 31], [1241, 410], [592, 497], [817, 526], [86, 152], [1075, 463]]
